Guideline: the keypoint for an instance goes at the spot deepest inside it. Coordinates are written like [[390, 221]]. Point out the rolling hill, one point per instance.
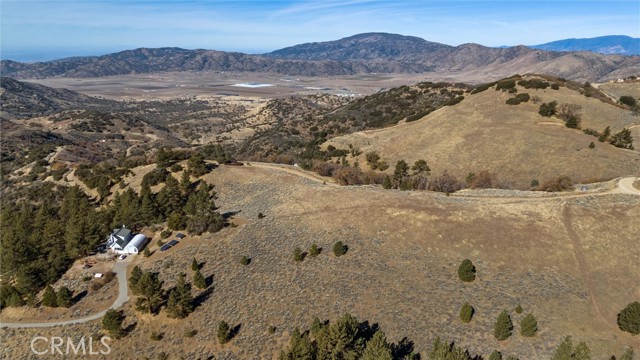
[[363, 53], [512, 141]]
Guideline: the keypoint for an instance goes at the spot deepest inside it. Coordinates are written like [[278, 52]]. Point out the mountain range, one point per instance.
[[612, 44], [358, 54]]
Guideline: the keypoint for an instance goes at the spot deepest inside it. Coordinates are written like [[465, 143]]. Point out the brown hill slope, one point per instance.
[[513, 141]]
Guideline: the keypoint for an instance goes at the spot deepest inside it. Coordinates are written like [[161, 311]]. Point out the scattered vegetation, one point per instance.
[[503, 327], [339, 249], [528, 326], [467, 271], [629, 318], [466, 312]]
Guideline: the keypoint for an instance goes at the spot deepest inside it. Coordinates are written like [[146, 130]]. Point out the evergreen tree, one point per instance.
[[622, 139], [314, 250], [377, 348], [170, 198], [495, 355], [185, 183], [297, 254], [180, 303], [467, 271], [149, 209], [150, 290], [401, 171], [502, 328], [529, 326], [202, 210], [198, 280], [49, 298], [15, 300], [194, 265], [224, 333], [177, 220], [146, 252], [386, 183], [564, 351], [136, 274], [629, 318], [64, 297], [339, 249], [300, 347], [444, 351], [197, 166], [112, 322], [466, 312], [627, 355], [582, 352], [420, 167]]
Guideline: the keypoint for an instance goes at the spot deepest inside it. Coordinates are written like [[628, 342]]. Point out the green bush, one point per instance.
[[628, 100], [518, 309], [298, 255], [466, 312], [339, 249], [503, 326], [245, 260], [513, 101], [190, 333], [629, 318], [529, 326], [467, 271], [314, 250], [524, 97], [156, 336], [548, 109], [224, 333], [505, 84]]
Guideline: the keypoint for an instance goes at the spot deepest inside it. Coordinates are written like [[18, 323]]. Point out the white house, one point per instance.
[[122, 241]]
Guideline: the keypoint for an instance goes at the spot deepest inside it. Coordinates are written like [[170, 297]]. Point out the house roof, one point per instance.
[[122, 232]]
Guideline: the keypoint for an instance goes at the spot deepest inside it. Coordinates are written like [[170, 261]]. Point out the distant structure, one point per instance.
[[122, 241]]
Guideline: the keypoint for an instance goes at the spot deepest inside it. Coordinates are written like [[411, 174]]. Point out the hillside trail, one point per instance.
[[583, 266], [624, 185], [293, 170]]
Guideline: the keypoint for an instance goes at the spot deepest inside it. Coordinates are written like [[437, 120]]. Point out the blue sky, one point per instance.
[[48, 29]]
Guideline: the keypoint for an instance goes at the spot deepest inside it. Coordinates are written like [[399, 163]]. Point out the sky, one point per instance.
[[49, 29]]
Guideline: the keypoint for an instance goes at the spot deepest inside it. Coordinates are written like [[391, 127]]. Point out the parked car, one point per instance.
[[122, 257]]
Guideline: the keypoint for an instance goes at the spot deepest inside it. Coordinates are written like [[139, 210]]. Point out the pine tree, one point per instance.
[[503, 326], [314, 250], [112, 322], [297, 254], [443, 351], [420, 167], [136, 274], [170, 198], [64, 297], [466, 312], [377, 348], [564, 351], [197, 166], [198, 280], [180, 303], [49, 297], [582, 352], [224, 333], [15, 300], [194, 265], [467, 271], [629, 318], [202, 210], [627, 355], [529, 326], [339, 249], [300, 347], [185, 183], [495, 355], [150, 290], [149, 209], [386, 183]]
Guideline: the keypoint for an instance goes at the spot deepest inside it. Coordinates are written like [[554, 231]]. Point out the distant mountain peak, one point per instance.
[[610, 44]]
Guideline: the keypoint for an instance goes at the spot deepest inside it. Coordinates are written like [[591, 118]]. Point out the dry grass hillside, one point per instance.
[[569, 261], [513, 141]]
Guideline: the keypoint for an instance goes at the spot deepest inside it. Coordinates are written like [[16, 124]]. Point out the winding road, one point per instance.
[[120, 268], [624, 186]]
